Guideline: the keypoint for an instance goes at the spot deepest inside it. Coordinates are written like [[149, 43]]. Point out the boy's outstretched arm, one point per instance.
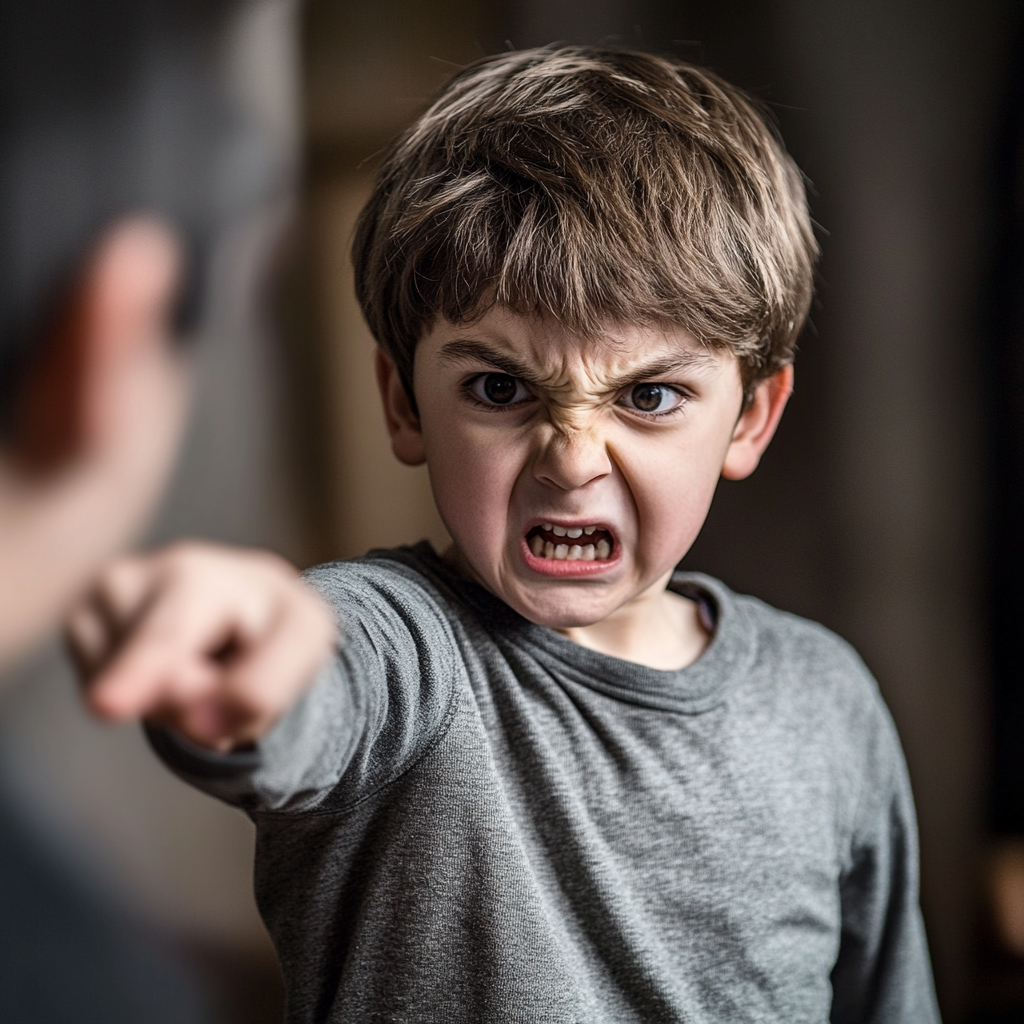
[[214, 642]]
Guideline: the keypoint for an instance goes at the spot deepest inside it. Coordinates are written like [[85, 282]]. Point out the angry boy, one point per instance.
[[548, 777]]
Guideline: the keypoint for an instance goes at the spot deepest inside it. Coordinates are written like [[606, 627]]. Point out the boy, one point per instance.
[[547, 778]]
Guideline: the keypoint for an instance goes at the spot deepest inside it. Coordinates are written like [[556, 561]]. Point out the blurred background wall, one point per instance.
[[868, 512]]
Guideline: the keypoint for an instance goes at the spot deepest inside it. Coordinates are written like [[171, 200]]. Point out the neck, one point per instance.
[[47, 530], [57, 529], [658, 628]]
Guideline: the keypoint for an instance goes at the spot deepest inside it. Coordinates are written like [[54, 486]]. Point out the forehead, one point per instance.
[[552, 353]]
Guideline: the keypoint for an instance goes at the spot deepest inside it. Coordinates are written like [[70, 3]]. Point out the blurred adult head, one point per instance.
[[129, 142]]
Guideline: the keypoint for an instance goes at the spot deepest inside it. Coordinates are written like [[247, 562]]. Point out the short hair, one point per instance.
[[110, 108], [587, 185]]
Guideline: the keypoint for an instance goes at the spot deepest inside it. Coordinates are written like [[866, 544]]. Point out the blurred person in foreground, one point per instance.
[[125, 152]]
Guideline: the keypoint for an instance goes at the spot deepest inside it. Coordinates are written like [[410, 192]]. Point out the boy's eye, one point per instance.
[[653, 398], [499, 389]]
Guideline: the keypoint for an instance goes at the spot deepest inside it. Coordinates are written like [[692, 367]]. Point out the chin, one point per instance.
[[562, 614]]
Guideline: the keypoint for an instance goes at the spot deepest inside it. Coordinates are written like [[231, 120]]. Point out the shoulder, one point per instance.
[[397, 656], [806, 690], [806, 648], [390, 582], [400, 573], [813, 672], [391, 598]]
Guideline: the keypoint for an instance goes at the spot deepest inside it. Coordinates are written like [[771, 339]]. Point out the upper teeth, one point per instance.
[[568, 531]]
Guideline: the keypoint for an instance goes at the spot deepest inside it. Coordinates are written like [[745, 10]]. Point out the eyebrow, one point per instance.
[[464, 350]]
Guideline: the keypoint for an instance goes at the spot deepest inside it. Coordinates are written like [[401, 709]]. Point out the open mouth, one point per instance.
[[570, 543]]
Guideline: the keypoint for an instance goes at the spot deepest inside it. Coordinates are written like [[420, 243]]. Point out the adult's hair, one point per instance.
[[110, 108], [588, 185]]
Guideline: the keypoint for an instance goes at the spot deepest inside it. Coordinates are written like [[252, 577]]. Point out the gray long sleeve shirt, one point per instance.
[[472, 819]]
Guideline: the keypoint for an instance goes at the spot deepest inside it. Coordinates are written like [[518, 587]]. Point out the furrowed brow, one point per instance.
[[463, 350], [656, 368]]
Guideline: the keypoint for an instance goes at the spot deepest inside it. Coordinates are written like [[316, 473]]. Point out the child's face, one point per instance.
[[573, 473]]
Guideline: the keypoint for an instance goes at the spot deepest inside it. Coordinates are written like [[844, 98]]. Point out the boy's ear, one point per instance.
[[119, 305], [757, 423], [403, 423]]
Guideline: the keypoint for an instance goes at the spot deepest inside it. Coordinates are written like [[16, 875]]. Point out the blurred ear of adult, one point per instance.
[[95, 428]]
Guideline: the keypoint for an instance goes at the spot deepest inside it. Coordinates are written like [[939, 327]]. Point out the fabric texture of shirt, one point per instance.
[[470, 818]]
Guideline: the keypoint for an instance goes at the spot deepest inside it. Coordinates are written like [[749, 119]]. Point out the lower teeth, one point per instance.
[[564, 552]]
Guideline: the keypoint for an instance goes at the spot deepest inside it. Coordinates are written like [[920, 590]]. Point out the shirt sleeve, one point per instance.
[[883, 973], [369, 714]]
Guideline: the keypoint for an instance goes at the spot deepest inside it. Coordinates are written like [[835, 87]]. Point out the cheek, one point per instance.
[[472, 477], [673, 499]]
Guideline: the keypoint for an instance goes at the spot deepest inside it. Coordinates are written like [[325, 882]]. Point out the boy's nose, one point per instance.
[[572, 458]]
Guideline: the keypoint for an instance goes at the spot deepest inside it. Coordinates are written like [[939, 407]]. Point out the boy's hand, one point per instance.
[[215, 642]]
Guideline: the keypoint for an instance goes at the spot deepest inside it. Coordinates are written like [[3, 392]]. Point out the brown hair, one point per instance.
[[590, 185]]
